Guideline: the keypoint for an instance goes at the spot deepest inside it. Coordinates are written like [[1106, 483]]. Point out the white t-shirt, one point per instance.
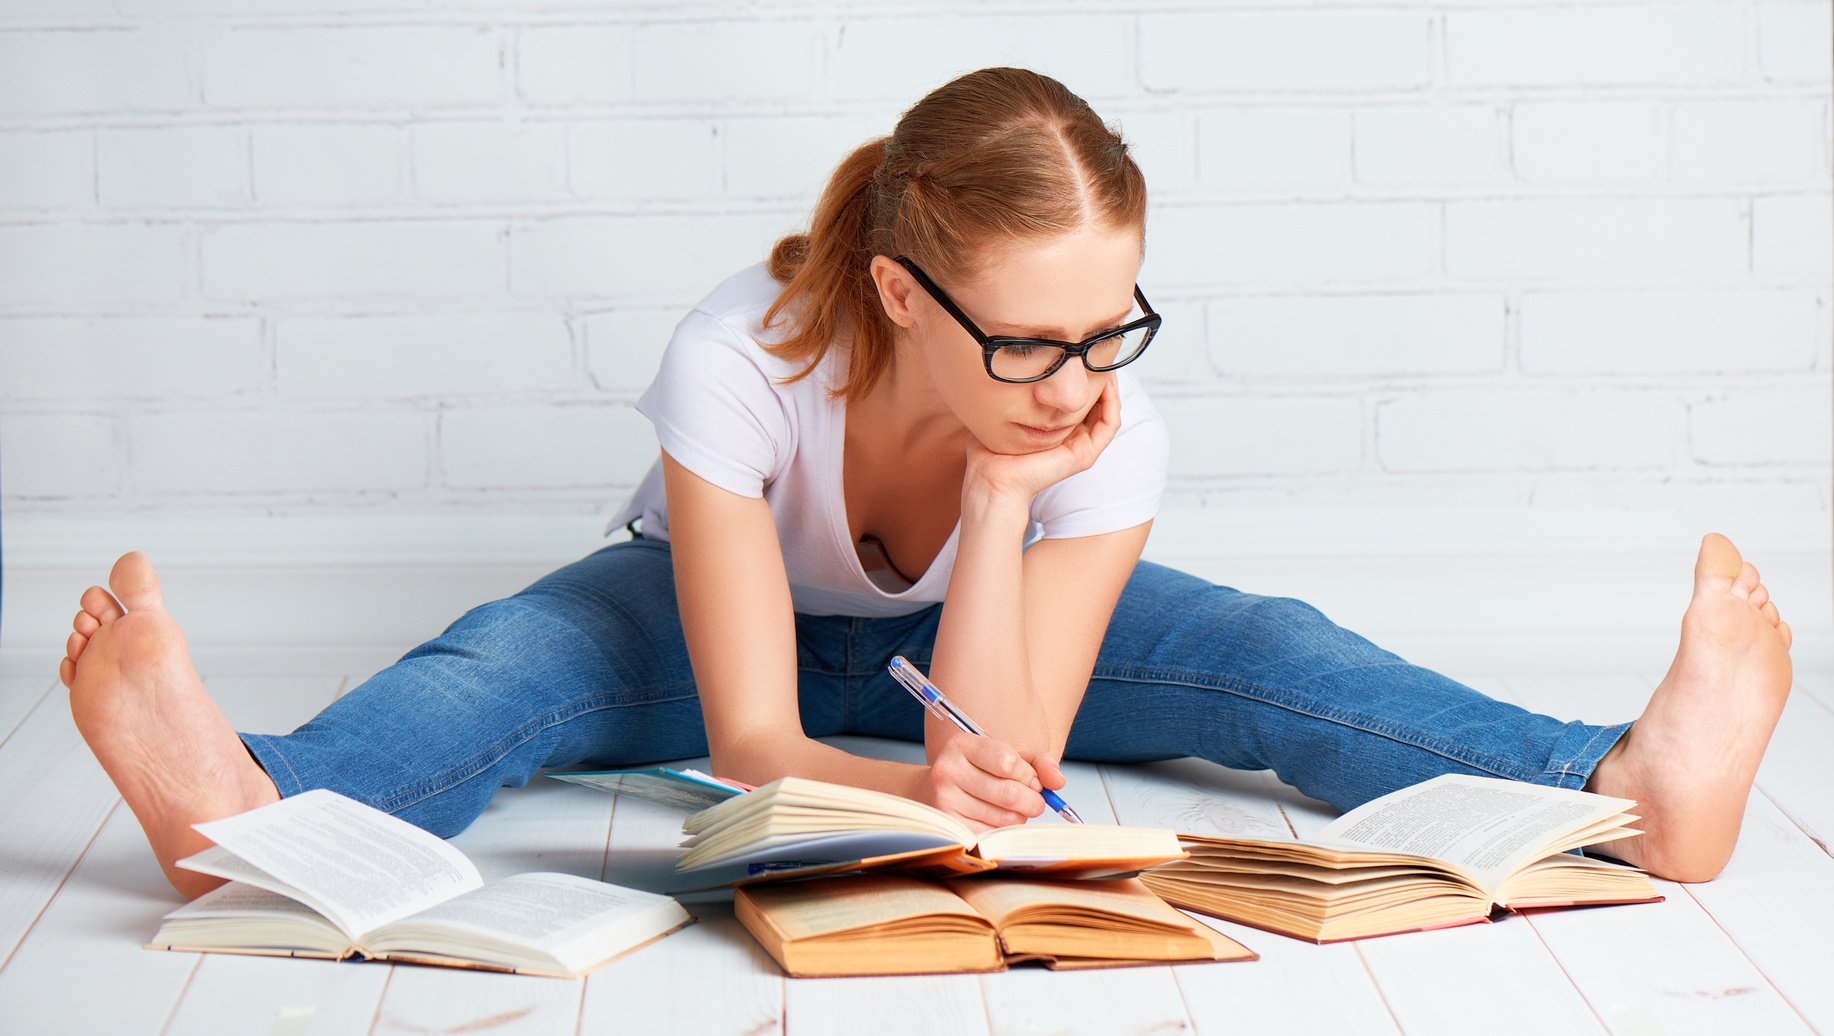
[[720, 409]]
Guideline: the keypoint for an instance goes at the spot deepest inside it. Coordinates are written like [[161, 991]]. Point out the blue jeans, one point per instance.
[[587, 666]]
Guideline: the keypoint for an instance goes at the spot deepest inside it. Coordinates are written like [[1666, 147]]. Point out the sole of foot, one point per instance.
[[143, 711], [1689, 760]]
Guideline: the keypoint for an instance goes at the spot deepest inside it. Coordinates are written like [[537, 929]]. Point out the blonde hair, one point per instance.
[[997, 157]]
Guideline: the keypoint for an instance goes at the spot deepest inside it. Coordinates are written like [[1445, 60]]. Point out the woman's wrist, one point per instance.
[[986, 504]]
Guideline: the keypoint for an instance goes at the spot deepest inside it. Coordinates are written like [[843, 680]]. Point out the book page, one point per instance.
[[1020, 845], [822, 906], [237, 899], [238, 916], [362, 867], [1486, 826], [222, 863], [999, 899], [542, 910]]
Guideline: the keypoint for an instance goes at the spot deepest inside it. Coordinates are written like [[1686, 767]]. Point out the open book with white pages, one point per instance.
[[1446, 851], [321, 875]]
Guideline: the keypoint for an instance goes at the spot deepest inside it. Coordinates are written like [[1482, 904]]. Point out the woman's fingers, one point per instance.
[[998, 758], [1049, 773], [1000, 782], [978, 811]]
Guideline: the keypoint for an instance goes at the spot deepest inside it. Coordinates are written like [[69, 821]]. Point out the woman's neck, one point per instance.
[[905, 413]]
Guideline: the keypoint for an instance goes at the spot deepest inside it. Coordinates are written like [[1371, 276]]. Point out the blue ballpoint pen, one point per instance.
[[939, 705]]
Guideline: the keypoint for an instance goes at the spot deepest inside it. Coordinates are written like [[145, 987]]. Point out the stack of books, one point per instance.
[[835, 880]]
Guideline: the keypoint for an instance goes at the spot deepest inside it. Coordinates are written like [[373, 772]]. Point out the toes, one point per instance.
[[1719, 559], [134, 584], [1760, 594], [1770, 612], [1783, 631], [66, 671], [1746, 581], [99, 603], [74, 646], [86, 624]]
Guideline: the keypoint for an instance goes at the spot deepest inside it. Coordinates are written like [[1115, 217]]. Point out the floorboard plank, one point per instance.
[[1100, 1002], [1667, 966], [294, 997], [422, 999], [227, 991], [1798, 769], [665, 987], [1817, 684], [1294, 987], [55, 799], [708, 979], [19, 695], [537, 827], [1279, 992], [1776, 901], [897, 1005], [95, 927]]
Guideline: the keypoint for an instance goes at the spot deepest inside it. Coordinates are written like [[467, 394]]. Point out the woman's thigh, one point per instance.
[[1189, 667], [586, 666]]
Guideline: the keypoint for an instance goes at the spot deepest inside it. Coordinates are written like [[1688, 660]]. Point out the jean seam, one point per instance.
[[274, 750], [484, 761], [1566, 765], [1355, 721]]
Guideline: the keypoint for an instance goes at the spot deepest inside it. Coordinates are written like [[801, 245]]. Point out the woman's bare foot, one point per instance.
[[137, 701], [1690, 759]]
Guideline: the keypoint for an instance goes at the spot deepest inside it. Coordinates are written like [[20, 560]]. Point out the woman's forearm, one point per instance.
[[981, 660], [760, 760]]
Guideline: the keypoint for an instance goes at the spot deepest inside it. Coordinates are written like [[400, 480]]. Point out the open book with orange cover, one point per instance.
[[896, 924], [1443, 852], [795, 827]]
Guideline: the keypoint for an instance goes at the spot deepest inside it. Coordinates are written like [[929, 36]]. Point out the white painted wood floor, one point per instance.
[[1752, 951]]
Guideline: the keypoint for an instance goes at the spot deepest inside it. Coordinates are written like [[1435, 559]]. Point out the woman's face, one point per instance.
[[1067, 289]]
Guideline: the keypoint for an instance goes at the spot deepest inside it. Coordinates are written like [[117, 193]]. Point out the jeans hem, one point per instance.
[[266, 750], [1578, 752]]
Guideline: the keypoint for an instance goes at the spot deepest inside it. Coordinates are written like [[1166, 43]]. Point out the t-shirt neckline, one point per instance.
[[834, 375]]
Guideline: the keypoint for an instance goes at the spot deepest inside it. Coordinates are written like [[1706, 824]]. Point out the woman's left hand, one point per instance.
[[1023, 475]]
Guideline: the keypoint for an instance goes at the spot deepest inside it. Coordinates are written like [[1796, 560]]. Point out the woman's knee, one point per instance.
[[1190, 623]]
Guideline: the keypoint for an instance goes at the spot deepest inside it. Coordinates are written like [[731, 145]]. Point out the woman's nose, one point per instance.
[[1067, 388]]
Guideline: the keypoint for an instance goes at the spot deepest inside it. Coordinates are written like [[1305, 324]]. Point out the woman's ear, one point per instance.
[[895, 287]]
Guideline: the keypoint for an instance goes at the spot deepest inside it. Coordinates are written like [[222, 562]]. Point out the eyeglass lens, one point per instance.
[[1030, 361]]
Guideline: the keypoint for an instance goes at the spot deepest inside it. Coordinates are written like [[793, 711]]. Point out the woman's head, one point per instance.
[[1009, 192]]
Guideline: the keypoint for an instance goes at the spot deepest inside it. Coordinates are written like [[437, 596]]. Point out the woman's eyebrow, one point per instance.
[[1053, 332]]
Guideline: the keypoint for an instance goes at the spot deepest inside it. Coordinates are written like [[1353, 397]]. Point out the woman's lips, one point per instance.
[[1044, 433]]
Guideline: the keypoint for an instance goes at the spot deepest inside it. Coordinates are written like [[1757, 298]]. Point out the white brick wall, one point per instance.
[[368, 257]]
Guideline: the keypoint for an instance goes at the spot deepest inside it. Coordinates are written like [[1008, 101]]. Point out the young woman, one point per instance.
[[913, 431]]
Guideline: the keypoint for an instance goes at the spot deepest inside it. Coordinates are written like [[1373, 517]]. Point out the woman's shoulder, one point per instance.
[[731, 318]]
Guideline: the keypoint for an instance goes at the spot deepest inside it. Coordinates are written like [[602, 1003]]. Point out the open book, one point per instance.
[[321, 875], [1440, 853], [895, 924], [796, 827]]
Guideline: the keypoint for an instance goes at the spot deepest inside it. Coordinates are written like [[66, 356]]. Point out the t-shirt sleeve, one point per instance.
[[714, 408], [1123, 487]]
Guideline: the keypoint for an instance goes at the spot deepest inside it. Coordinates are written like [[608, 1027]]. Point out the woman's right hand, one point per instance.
[[988, 783]]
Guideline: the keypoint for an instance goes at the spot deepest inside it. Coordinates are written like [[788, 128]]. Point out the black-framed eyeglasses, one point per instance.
[[1021, 360]]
